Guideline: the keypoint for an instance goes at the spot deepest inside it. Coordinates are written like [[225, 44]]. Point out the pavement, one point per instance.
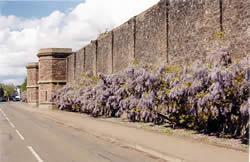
[[117, 136]]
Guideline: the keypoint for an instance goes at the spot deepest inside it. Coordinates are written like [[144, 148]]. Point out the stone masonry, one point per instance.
[[32, 83], [47, 75], [171, 31]]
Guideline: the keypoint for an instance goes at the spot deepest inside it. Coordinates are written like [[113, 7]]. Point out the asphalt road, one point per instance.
[[27, 137]]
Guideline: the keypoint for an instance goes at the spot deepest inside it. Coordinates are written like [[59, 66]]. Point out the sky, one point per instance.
[[27, 26]]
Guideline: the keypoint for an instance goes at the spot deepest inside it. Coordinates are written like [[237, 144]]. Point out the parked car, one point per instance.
[[3, 99], [15, 98]]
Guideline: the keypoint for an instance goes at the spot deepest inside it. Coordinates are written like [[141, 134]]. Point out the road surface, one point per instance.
[[28, 137]]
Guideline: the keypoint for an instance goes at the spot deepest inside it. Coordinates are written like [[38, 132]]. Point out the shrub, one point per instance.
[[205, 97]]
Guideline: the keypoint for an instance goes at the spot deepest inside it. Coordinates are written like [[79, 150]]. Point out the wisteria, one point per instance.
[[24, 96], [212, 97]]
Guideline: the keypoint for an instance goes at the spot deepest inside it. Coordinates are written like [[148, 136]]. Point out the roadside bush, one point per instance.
[[211, 98], [24, 96]]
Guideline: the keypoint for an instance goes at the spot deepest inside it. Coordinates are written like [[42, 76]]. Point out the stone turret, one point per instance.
[[32, 83], [52, 73]]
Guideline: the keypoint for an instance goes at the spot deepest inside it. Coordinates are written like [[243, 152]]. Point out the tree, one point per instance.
[[1, 91], [24, 85], [9, 90]]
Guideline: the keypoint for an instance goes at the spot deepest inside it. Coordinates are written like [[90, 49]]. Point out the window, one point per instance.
[[46, 96]]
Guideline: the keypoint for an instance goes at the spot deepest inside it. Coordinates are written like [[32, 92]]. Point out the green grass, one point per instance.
[[244, 146], [147, 125], [168, 131]]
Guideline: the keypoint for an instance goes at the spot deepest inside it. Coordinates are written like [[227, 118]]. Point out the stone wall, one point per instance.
[[236, 24], [79, 69], [71, 68], [59, 69], [123, 45], [45, 93], [172, 31], [90, 57], [192, 29], [52, 72], [32, 76], [32, 83], [45, 68], [104, 55], [151, 36], [32, 95]]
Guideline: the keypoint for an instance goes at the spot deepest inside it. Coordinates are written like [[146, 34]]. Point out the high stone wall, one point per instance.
[[123, 45], [172, 31], [104, 57], [151, 36], [192, 28], [79, 69], [90, 57], [236, 24], [71, 68]]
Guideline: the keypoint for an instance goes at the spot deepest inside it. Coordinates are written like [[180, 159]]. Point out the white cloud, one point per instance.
[[20, 38]]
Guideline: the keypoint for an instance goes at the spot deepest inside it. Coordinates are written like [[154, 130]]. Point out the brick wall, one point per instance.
[[45, 92], [59, 69], [45, 68], [32, 76], [32, 82], [32, 95], [52, 71]]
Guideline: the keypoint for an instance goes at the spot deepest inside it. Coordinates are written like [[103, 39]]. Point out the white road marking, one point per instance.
[[35, 154], [22, 138], [1, 111], [20, 135], [3, 114], [13, 126], [7, 119]]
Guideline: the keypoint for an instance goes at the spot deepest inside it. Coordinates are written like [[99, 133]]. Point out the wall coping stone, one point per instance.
[[32, 65], [60, 52], [33, 86], [51, 81]]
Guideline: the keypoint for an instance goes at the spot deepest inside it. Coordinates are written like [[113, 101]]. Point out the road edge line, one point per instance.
[[35, 154], [20, 135]]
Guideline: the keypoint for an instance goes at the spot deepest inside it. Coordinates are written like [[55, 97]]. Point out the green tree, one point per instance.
[[9, 90], [24, 85], [1, 90]]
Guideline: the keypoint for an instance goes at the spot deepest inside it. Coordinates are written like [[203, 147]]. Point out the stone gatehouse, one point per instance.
[[45, 75]]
